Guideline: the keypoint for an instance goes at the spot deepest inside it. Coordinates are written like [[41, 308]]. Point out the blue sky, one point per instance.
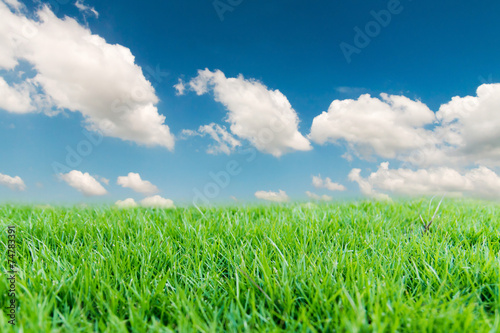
[[429, 53]]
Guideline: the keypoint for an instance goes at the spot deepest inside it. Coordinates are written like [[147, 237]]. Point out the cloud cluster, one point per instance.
[[89, 186], [134, 181], [14, 183], [479, 182], [327, 183], [262, 116], [280, 196], [84, 183], [79, 71], [463, 132], [452, 151]]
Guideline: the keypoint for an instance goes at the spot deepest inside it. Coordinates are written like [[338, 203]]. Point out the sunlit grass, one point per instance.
[[344, 267]]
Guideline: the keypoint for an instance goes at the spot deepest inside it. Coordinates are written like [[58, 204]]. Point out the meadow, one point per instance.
[[340, 267]]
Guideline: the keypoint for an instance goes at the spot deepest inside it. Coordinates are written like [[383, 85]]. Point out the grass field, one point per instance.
[[343, 267]]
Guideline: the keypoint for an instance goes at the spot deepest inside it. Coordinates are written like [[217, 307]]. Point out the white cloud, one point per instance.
[[81, 72], [365, 186], [134, 181], [127, 203], [280, 196], [157, 202], [351, 90], [480, 182], [464, 131], [84, 183], [105, 180], [225, 142], [14, 183], [86, 9], [327, 183], [16, 5], [386, 127], [469, 128], [15, 99], [13, 31], [262, 116], [180, 88], [315, 196]]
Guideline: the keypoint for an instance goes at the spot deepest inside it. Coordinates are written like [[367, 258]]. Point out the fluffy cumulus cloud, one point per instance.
[[157, 202], [14, 183], [84, 183], [79, 71], [318, 197], [224, 142], [134, 181], [279, 196], [327, 183], [479, 182], [463, 132], [255, 113], [127, 203], [469, 128], [386, 127]]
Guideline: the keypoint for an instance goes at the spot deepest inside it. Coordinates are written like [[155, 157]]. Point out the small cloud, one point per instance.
[[134, 181], [225, 142], [14, 183], [280, 196], [105, 180], [187, 133], [351, 90], [317, 197], [84, 183], [180, 87], [157, 202], [127, 203], [348, 157], [86, 9], [327, 183]]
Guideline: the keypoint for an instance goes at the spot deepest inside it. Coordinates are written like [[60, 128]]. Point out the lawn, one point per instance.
[[341, 267]]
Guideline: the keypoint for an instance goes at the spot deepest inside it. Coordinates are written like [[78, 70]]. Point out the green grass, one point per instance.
[[343, 267]]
